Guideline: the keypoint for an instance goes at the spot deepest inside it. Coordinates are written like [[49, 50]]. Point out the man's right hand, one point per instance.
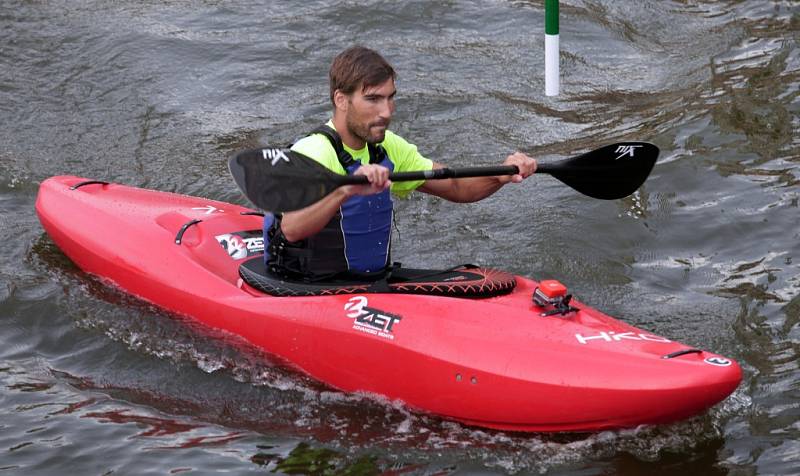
[[378, 177]]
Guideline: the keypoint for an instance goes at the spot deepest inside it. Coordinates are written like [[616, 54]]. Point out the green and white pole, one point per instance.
[[551, 73]]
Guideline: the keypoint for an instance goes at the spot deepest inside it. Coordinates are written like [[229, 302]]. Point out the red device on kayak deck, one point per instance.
[[552, 295], [549, 291]]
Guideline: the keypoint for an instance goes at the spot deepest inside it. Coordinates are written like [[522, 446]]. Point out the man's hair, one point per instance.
[[358, 67]]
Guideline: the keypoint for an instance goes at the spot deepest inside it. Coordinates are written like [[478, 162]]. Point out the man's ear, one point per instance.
[[341, 100]]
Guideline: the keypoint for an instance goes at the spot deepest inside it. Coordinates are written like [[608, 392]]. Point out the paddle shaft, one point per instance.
[[437, 174], [445, 173]]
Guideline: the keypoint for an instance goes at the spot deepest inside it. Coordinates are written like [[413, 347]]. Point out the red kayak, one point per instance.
[[518, 355]]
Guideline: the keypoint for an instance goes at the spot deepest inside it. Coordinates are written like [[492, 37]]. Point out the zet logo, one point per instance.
[[369, 320], [626, 150], [355, 306], [241, 244]]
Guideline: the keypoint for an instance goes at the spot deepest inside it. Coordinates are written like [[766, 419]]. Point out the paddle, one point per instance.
[[282, 180]]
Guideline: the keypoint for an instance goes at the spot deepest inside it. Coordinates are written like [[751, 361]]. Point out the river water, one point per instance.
[[158, 93]]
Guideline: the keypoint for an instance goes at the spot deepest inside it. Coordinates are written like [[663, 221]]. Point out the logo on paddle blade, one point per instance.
[[370, 320], [624, 150], [274, 156]]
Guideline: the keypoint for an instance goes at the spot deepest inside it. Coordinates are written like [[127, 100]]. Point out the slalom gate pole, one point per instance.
[[551, 48]]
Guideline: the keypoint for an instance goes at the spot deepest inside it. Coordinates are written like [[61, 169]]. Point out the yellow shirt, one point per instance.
[[403, 155]]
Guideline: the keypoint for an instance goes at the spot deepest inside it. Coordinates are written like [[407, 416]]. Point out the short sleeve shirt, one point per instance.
[[403, 155]]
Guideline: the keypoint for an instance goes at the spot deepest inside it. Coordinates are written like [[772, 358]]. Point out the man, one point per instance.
[[348, 233]]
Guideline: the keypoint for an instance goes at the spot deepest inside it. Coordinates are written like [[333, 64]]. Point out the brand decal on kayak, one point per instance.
[[370, 320], [242, 244], [718, 361], [209, 209], [624, 150], [612, 336]]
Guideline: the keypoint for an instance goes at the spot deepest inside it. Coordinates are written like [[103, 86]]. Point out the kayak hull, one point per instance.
[[493, 362]]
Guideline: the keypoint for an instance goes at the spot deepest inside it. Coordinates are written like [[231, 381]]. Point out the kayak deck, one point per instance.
[[494, 362]]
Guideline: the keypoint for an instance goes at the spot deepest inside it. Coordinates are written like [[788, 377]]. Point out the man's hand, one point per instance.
[[525, 164], [378, 177]]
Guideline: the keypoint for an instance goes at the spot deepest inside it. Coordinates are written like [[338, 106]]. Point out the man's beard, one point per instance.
[[362, 131]]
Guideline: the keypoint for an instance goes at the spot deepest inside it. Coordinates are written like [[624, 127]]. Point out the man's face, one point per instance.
[[370, 111]]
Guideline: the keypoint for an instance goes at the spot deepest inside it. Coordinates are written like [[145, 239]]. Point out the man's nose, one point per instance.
[[387, 109]]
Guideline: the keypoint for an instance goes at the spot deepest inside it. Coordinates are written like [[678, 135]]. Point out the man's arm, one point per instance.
[[477, 188], [301, 224]]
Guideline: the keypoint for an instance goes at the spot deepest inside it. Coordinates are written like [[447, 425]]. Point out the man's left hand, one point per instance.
[[525, 164]]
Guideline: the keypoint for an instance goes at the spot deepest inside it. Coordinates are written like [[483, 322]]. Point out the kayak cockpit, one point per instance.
[[463, 281]]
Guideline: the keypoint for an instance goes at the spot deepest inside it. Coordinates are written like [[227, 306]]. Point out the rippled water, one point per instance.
[[156, 94]]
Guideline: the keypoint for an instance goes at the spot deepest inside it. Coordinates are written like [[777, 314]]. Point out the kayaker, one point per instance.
[[348, 233]]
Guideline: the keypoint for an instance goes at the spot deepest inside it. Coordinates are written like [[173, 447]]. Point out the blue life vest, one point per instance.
[[355, 243]]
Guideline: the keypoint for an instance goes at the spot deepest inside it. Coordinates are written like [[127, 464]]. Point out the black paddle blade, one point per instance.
[[608, 173], [281, 180]]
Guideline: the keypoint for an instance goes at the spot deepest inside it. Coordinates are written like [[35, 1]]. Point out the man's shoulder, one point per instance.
[[311, 143], [318, 148], [404, 154], [396, 146], [392, 139]]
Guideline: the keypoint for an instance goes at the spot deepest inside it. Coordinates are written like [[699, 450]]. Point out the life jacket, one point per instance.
[[356, 242]]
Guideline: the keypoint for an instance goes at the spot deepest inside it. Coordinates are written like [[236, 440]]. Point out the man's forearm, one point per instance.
[[467, 190], [301, 224]]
